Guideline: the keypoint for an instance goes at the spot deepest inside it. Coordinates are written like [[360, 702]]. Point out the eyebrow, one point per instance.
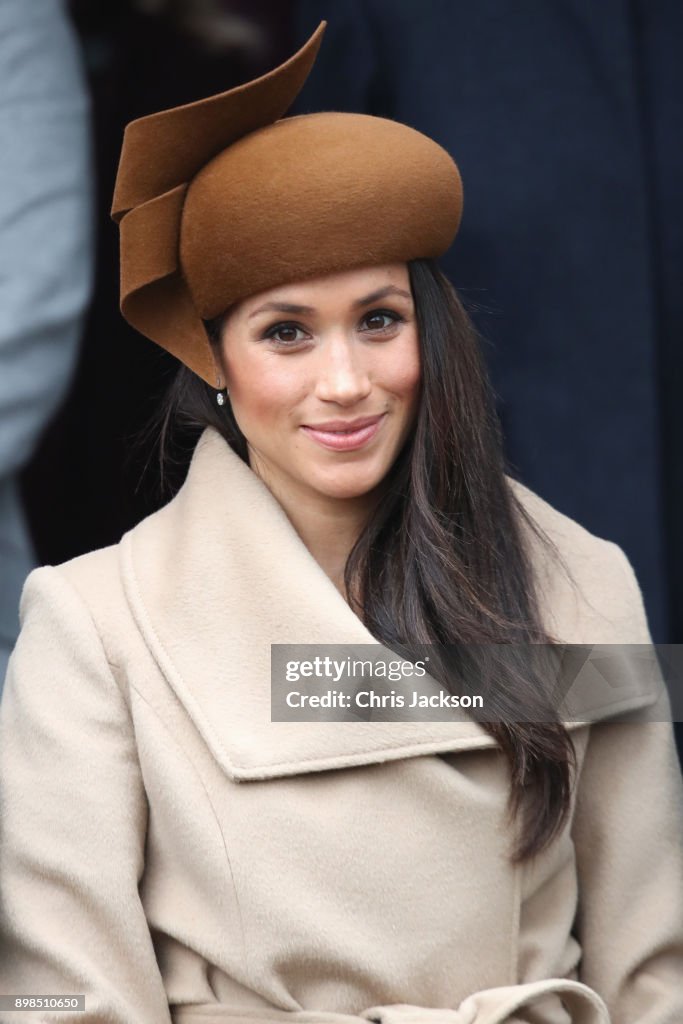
[[291, 307]]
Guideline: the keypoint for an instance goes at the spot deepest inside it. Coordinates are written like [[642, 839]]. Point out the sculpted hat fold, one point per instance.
[[223, 198]]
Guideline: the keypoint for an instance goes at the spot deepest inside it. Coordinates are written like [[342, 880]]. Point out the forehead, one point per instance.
[[336, 288]]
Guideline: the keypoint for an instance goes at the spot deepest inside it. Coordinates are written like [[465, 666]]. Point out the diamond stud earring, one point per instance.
[[220, 397]]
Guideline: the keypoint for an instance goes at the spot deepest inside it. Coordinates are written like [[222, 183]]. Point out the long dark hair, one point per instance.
[[445, 558]]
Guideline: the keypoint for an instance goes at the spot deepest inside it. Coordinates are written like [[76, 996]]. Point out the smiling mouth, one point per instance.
[[346, 439]]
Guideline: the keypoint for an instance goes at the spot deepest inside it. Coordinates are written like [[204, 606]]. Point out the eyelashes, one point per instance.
[[289, 325], [394, 317], [285, 326]]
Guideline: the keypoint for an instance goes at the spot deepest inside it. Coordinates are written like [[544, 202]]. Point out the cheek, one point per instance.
[[400, 370], [263, 388]]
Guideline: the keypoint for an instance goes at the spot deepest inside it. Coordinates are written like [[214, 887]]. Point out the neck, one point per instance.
[[329, 527]]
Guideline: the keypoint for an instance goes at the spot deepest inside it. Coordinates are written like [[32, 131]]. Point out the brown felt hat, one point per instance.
[[224, 198]]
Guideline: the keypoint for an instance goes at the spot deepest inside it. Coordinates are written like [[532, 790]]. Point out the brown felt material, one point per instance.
[[224, 198]]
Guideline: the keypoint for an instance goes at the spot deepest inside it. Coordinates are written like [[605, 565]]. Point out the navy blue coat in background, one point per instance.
[[541, 106]]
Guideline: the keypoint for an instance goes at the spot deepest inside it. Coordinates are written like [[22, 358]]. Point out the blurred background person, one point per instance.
[[45, 256]]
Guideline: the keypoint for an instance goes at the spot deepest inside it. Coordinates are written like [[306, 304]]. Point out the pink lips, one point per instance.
[[345, 440]]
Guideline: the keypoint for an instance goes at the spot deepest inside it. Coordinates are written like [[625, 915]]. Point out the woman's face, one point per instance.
[[306, 363]]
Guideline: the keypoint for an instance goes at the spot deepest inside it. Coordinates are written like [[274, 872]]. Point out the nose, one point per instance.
[[342, 375]]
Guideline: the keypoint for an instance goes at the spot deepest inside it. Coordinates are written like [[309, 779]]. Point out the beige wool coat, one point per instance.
[[176, 856]]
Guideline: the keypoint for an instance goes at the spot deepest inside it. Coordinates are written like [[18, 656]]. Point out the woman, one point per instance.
[[171, 852]]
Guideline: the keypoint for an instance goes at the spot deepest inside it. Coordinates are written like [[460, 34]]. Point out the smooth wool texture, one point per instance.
[[170, 852], [223, 198]]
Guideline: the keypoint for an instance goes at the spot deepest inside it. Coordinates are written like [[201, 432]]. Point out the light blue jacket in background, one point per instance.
[[46, 235]]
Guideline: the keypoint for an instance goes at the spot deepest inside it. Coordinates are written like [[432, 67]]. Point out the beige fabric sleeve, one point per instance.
[[628, 834], [73, 819]]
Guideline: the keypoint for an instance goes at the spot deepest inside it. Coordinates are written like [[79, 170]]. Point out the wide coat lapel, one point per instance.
[[217, 576]]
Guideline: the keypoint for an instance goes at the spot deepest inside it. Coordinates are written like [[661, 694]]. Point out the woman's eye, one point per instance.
[[377, 320], [289, 335], [285, 334]]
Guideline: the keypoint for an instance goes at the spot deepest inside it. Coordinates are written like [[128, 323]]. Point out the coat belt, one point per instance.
[[488, 1006]]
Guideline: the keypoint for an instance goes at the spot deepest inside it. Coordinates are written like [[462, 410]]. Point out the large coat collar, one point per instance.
[[217, 576]]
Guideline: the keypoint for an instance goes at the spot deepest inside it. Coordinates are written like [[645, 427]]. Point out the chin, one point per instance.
[[351, 482]]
